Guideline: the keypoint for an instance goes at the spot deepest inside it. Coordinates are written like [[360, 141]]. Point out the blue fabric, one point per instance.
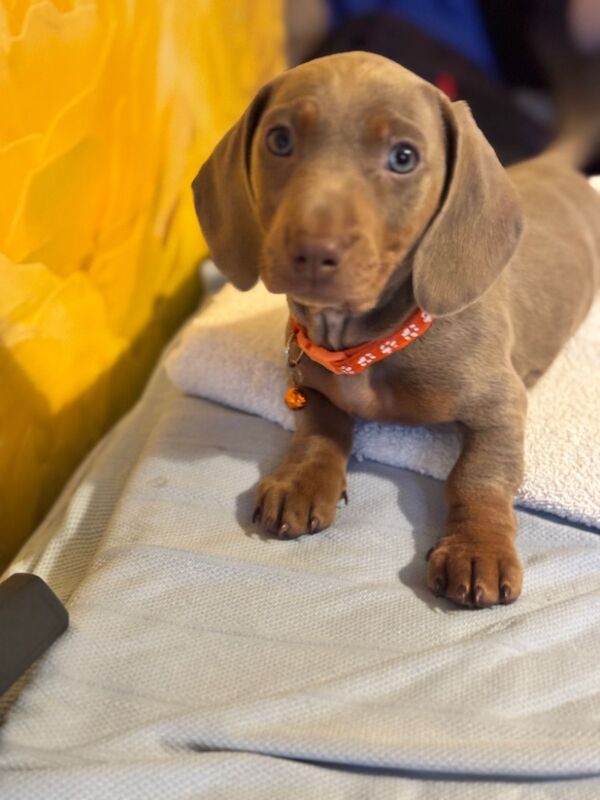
[[457, 23]]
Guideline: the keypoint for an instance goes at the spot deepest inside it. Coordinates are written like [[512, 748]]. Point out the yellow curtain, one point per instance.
[[107, 108]]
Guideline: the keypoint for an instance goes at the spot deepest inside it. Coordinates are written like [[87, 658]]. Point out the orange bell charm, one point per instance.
[[295, 399]]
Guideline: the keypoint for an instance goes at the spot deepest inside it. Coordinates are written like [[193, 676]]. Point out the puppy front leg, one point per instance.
[[475, 563], [301, 496]]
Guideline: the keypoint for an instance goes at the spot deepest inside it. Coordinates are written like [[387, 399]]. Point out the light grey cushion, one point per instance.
[[206, 661]]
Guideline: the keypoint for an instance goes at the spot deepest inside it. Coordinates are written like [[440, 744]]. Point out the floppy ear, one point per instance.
[[224, 201], [477, 227]]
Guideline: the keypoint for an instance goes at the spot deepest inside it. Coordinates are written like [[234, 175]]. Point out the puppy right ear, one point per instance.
[[224, 200], [477, 227]]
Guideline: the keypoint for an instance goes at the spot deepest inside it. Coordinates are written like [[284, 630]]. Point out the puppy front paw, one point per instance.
[[475, 573], [298, 499]]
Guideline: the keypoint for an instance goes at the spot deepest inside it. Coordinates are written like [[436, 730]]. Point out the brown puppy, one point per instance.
[[361, 192]]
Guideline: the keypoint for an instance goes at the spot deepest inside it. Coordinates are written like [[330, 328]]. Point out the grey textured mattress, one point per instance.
[[204, 661]]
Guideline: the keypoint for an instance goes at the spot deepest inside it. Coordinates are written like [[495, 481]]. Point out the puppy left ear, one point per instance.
[[224, 200], [476, 229]]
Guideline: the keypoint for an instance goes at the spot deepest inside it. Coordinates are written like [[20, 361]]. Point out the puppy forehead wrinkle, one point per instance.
[[355, 65], [355, 95], [306, 99], [381, 122], [306, 110], [342, 74], [303, 112]]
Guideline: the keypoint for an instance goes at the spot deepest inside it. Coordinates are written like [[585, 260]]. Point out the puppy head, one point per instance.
[[345, 175]]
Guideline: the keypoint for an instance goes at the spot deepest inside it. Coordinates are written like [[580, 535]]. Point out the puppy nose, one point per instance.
[[314, 255]]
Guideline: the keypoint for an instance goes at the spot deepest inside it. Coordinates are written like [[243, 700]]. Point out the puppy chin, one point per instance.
[[324, 302], [322, 294]]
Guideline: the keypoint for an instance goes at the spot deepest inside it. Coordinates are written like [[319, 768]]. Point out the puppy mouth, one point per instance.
[[323, 294], [321, 289], [326, 291], [351, 308], [318, 294]]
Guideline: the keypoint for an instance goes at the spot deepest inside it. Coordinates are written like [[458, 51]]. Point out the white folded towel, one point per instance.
[[233, 352]]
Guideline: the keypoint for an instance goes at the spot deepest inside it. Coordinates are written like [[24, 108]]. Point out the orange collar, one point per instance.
[[357, 359]]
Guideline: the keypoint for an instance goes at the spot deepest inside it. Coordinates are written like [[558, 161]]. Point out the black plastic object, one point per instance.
[[31, 619]]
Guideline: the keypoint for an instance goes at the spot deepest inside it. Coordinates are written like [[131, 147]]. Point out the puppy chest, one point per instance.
[[384, 396]]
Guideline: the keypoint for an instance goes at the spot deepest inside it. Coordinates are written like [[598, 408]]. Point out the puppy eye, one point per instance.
[[279, 141], [402, 158]]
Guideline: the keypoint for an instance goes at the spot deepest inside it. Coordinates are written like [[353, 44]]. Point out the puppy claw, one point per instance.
[[505, 593], [282, 530], [344, 497], [461, 594], [479, 597], [256, 514], [314, 525]]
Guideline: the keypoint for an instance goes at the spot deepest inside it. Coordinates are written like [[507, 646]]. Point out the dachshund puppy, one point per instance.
[[426, 284]]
